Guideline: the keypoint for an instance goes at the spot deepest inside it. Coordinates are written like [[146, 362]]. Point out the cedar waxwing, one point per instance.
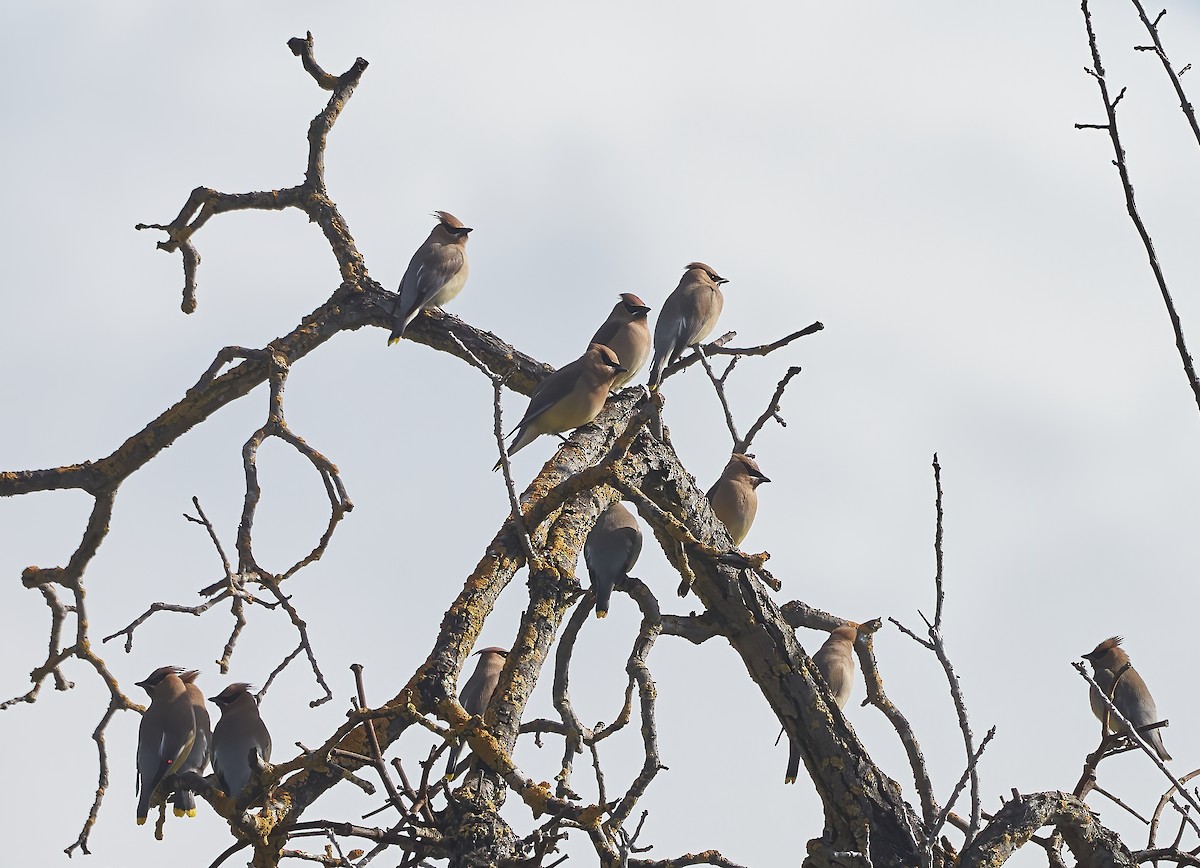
[[627, 334], [687, 316], [1131, 696], [477, 693], [572, 396], [610, 551], [435, 275], [733, 497], [239, 731], [197, 759], [835, 661], [165, 736]]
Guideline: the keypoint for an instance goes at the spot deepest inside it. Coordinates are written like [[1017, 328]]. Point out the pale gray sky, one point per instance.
[[906, 173]]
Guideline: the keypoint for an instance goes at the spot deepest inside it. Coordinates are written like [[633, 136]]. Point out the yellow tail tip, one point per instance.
[[790, 779], [600, 614], [191, 812], [180, 812], [141, 821], [394, 340]]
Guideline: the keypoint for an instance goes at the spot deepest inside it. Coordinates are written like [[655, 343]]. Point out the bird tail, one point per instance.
[[603, 594], [455, 750], [517, 445], [185, 803], [793, 766], [1155, 739], [143, 808], [656, 370]]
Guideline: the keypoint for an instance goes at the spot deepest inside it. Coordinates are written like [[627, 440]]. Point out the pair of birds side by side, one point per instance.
[[573, 395], [175, 736]]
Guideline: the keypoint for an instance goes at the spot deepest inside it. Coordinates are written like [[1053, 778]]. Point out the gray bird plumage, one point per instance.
[[734, 497], [477, 693], [435, 275], [165, 735], [1131, 696], [572, 396], [610, 551], [687, 316], [627, 334], [239, 732]]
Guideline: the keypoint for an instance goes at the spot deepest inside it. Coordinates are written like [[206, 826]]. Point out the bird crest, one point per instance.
[[1103, 648]]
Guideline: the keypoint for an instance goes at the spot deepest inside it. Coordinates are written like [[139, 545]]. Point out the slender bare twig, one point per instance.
[[1110, 109], [1185, 104]]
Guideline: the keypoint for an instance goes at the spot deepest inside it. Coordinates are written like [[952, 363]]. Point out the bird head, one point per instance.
[[451, 225], [633, 306], [231, 694], [744, 465], [707, 271], [156, 677], [1097, 654], [606, 360]]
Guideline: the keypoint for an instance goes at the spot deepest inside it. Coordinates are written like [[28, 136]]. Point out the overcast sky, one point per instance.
[[908, 174]]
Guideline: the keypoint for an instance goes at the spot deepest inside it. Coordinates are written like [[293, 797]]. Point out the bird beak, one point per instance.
[[466, 230], [640, 309], [721, 280], [620, 370]]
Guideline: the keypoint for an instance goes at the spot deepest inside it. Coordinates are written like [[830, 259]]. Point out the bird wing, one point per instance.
[[549, 392], [607, 332], [426, 275]]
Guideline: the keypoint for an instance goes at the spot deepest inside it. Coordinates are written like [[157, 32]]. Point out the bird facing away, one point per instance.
[[627, 333], [610, 551], [165, 736], [197, 759], [572, 396], [733, 496], [239, 732], [1131, 696], [477, 693], [687, 316], [835, 661], [436, 273]]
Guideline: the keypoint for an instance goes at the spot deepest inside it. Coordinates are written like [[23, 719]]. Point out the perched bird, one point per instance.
[[687, 316], [610, 551], [435, 275], [184, 799], [733, 496], [239, 732], [1131, 696], [572, 396], [627, 334], [477, 693], [835, 660], [165, 736]]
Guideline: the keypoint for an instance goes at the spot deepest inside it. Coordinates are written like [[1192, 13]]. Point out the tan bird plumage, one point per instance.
[[733, 496], [835, 661], [610, 551], [197, 759], [436, 273], [688, 315], [165, 735], [572, 396], [477, 693], [627, 333], [1131, 696]]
